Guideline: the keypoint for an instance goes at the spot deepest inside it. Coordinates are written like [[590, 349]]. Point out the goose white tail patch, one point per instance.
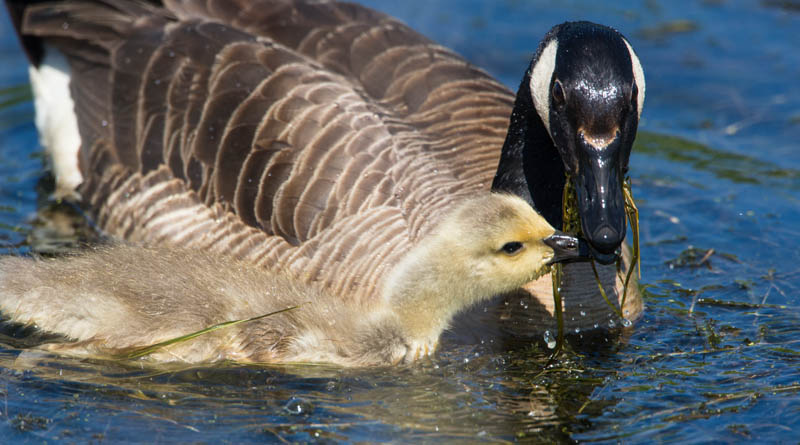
[[638, 76], [56, 120], [540, 81]]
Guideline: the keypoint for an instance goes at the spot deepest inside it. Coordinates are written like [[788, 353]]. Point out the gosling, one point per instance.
[[112, 300]]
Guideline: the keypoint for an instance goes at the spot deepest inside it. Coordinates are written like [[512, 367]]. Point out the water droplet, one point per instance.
[[596, 325], [611, 323], [65, 25], [627, 323], [583, 313], [297, 405], [577, 330], [549, 339]]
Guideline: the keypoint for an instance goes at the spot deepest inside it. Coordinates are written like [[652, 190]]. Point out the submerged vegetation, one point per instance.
[[734, 167]]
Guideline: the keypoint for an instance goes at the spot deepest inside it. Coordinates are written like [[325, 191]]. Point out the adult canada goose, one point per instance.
[[281, 132], [115, 299]]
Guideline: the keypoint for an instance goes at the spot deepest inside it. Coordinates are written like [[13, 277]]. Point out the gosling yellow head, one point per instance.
[[489, 245]]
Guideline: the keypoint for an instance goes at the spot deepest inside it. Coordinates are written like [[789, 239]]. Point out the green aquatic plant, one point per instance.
[[571, 225], [147, 350], [632, 213]]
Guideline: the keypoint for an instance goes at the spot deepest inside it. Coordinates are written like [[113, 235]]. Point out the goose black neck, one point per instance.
[[530, 166]]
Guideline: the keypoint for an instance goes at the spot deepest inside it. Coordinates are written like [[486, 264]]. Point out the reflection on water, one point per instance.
[[715, 357], [456, 397]]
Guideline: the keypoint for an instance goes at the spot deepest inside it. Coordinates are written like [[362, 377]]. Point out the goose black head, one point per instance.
[[577, 110]]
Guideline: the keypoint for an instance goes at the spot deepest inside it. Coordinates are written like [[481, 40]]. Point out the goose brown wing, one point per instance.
[[287, 145], [457, 111], [365, 113]]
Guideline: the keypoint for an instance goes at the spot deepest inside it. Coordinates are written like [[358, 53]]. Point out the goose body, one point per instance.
[[112, 300], [323, 140]]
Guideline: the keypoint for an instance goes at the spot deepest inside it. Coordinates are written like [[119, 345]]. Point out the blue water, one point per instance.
[[715, 357]]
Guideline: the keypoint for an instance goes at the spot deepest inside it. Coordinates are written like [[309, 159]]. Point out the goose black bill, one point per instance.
[[600, 198]]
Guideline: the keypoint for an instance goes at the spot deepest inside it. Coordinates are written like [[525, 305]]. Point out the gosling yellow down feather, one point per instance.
[[114, 299]]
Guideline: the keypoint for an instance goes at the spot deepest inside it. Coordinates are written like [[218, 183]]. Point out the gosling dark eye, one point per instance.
[[558, 94], [511, 248]]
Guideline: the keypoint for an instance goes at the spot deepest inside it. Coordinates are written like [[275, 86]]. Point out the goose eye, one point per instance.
[[558, 93], [511, 248]]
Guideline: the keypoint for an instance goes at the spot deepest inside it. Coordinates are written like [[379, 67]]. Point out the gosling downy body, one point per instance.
[[317, 138], [113, 300]]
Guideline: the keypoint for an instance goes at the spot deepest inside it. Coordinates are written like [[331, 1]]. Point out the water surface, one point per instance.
[[715, 358]]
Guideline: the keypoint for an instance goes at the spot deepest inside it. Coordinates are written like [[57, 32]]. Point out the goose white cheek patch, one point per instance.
[[638, 76], [540, 82]]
